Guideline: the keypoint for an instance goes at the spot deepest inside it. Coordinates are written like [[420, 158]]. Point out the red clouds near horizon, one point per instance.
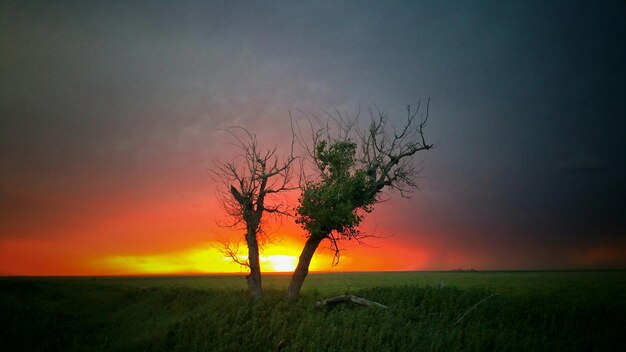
[[179, 235]]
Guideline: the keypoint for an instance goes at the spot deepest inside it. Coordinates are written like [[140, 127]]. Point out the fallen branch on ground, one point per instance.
[[474, 306], [349, 298]]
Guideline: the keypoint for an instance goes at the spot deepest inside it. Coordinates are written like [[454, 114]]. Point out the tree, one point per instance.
[[350, 172], [251, 183]]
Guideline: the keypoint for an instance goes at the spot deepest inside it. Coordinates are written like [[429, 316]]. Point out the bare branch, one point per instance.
[[249, 186], [231, 250]]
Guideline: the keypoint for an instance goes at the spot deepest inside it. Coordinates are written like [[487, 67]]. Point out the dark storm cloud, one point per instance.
[[581, 164], [107, 100]]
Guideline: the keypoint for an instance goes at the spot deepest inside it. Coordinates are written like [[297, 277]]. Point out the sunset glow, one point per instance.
[[135, 252], [112, 116], [281, 263], [208, 259]]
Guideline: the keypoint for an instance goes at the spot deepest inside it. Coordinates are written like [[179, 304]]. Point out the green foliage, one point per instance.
[[334, 202], [151, 315]]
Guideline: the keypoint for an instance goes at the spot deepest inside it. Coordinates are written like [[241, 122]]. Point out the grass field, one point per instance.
[[538, 311]]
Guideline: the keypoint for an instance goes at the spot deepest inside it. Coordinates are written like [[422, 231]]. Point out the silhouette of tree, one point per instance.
[[351, 168], [251, 183]]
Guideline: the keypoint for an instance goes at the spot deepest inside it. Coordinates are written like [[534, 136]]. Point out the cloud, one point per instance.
[[109, 113], [581, 164]]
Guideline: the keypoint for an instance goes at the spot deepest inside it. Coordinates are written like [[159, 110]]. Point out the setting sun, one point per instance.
[[208, 258], [282, 263]]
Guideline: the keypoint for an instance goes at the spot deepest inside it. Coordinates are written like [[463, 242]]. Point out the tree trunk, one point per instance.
[[303, 267], [254, 278]]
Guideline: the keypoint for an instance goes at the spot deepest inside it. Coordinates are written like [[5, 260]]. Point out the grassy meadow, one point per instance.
[[427, 311]]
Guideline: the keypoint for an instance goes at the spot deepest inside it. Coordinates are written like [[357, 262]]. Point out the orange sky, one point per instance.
[[176, 232], [180, 236], [159, 217], [110, 116], [180, 239]]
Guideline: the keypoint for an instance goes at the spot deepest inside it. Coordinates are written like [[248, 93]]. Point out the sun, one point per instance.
[[282, 263]]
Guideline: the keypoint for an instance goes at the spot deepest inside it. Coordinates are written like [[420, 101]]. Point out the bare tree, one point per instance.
[[249, 194], [351, 168]]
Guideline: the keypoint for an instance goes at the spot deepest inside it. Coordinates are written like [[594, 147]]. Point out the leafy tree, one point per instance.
[[251, 183], [351, 170]]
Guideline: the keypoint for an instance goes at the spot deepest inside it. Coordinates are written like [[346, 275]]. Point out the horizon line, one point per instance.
[[286, 273]]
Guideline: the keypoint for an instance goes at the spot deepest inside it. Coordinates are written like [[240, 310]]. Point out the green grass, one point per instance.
[[545, 311]]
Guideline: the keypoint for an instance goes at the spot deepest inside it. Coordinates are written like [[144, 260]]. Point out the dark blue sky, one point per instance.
[[107, 104]]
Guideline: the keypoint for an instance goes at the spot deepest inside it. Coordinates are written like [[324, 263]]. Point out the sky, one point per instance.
[[111, 115]]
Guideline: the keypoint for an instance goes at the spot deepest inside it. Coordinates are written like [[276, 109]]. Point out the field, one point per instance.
[[427, 311]]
